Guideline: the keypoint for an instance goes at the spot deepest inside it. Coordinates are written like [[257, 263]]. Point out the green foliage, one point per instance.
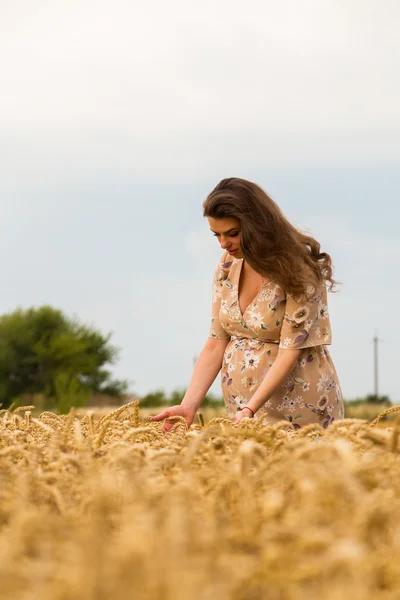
[[69, 392], [211, 400], [160, 398], [42, 351], [378, 399], [370, 399], [157, 398], [176, 396]]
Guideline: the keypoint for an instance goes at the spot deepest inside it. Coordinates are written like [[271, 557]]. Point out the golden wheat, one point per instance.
[[113, 508]]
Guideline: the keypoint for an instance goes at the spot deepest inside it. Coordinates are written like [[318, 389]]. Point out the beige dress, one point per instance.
[[311, 393]]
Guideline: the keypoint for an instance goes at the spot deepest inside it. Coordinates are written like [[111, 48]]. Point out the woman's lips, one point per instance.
[[232, 251]]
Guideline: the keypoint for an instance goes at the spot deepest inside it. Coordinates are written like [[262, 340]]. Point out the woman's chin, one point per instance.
[[236, 254]]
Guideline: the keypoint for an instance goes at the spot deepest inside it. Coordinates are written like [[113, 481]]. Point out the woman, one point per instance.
[[270, 324]]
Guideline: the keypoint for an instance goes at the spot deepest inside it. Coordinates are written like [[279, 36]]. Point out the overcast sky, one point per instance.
[[117, 119]]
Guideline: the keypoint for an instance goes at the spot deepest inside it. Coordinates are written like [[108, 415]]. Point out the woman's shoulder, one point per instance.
[[313, 286]]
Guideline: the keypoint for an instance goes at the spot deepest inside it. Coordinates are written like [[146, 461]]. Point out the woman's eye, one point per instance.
[[231, 235]]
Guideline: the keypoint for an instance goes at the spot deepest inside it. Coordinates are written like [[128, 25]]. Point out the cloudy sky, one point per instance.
[[116, 120]]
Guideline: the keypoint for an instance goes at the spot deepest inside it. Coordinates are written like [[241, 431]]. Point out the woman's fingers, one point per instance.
[[167, 426], [160, 417], [169, 415]]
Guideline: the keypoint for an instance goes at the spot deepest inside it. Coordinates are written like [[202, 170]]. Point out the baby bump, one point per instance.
[[245, 364]]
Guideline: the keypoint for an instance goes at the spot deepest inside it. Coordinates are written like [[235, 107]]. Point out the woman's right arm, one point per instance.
[[205, 371], [210, 358]]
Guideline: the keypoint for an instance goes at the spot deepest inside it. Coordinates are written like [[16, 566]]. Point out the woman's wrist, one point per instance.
[[257, 401], [190, 407], [248, 408]]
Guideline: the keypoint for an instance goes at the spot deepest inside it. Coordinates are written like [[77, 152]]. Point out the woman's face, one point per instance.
[[227, 232]]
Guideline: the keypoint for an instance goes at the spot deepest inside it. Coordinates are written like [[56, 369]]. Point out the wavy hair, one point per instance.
[[270, 244]]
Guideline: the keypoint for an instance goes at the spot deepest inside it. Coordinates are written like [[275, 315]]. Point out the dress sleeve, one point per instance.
[[306, 322], [221, 273]]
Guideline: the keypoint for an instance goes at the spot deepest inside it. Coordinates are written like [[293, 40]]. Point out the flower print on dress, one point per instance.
[[246, 339], [217, 291], [292, 420], [292, 403], [255, 319], [226, 378], [231, 367], [213, 333], [228, 284], [249, 382], [262, 412], [316, 299], [289, 381], [331, 384], [326, 383], [323, 402], [324, 415], [301, 383], [323, 311], [286, 342], [301, 314], [240, 401], [323, 333], [232, 294], [322, 381], [234, 311], [265, 294], [273, 304], [302, 337], [250, 360], [224, 307]]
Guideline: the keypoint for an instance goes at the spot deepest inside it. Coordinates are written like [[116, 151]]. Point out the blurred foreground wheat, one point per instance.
[[110, 508]]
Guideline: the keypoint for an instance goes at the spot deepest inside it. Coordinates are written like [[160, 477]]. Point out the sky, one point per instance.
[[116, 121]]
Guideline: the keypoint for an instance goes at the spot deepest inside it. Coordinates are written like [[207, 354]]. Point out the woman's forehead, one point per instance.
[[223, 225]]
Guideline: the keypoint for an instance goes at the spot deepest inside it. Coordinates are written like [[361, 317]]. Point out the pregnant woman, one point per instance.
[[270, 324]]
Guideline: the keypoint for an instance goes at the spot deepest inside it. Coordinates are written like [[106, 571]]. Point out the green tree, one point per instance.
[[43, 351], [160, 398], [378, 399], [156, 398]]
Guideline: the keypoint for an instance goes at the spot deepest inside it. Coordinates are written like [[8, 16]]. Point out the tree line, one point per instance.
[[42, 351]]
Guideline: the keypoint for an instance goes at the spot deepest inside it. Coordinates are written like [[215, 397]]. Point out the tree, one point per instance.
[[156, 398], [378, 399], [43, 351], [160, 398]]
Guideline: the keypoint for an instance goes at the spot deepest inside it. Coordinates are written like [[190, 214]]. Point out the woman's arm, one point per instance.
[[283, 365], [205, 371], [207, 367]]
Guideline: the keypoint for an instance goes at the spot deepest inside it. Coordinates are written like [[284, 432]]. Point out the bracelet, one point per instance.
[[248, 408]]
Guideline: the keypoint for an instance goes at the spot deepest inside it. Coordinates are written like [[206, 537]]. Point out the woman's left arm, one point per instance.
[[283, 365]]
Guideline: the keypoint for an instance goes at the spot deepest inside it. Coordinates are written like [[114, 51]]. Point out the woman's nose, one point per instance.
[[223, 243]]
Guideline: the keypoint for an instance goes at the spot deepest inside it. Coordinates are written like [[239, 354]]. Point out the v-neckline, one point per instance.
[[237, 295]]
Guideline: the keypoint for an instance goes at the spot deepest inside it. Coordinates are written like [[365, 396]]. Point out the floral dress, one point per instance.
[[274, 319]]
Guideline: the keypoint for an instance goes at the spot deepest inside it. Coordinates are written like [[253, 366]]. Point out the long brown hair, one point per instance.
[[270, 244]]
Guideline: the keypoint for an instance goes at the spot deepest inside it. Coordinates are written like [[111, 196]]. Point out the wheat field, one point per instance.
[[110, 508]]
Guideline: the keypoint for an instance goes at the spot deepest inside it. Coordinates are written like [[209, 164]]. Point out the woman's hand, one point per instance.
[[172, 411], [243, 414]]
